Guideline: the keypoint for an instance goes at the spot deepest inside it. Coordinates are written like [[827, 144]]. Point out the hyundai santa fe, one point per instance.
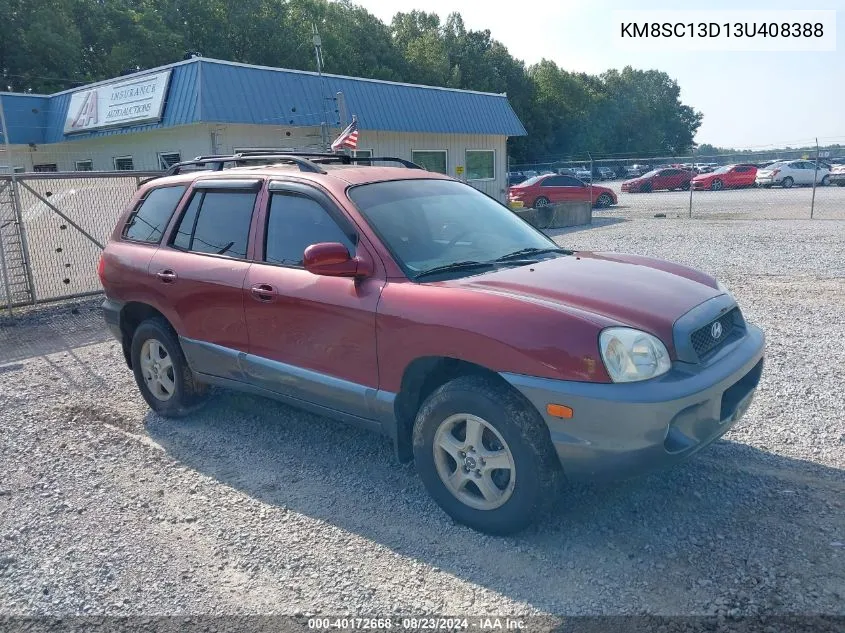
[[413, 305]]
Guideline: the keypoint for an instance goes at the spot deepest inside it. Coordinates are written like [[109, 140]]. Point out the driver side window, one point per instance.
[[294, 223]]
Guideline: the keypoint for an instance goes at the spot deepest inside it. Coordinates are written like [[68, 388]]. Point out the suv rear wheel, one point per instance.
[[485, 456], [161, 371]]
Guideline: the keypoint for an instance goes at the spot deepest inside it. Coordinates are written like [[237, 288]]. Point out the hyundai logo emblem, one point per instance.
[[716, 330]]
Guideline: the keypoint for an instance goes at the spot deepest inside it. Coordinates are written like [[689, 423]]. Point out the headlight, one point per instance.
[[631, 355]]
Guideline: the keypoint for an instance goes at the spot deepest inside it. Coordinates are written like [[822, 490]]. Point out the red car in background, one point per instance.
[[668, 178], [727, 177], [541, 191]]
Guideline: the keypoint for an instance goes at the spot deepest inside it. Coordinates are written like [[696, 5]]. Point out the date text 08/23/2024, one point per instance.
[[417, 624]]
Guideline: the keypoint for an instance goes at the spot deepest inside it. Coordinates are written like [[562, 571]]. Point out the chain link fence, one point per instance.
[[53, 227], [765, 185]]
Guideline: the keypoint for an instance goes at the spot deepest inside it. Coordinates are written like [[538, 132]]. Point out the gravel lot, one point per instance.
[[774, 203], [249, 506]]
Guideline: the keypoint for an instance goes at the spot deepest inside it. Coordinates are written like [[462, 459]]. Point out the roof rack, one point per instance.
[[306, 161]]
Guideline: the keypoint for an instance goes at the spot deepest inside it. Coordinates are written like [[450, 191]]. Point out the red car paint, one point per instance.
[[668, 178], [559, 188], [729, 177]]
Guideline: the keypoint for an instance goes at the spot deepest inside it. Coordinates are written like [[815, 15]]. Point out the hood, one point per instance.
[[642, 292], [704, 177]]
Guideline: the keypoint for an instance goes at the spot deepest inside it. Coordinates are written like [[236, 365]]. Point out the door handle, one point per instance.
[[263, 292], [166, 276]]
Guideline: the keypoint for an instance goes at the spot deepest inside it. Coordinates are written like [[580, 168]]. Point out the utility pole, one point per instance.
[[815, 178], [318, 51]]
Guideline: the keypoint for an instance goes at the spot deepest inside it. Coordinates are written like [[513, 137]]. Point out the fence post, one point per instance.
[[3, 269], [690, 185], [592, 175], [815, 177]]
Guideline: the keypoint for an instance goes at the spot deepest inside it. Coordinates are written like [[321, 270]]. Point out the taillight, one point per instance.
[[101, 270], [775, 172]]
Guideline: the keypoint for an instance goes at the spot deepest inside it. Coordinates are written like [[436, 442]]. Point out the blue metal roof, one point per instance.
[[26, 117], [214, 91]]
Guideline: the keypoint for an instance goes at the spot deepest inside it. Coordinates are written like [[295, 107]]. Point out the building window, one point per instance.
[[432, 160], [166, 160], [361, 153], [45, 168], [4, 169], [481, 164], [83, 165], [124, 163]]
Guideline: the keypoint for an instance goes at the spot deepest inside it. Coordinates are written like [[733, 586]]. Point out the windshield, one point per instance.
[[431, 223], [651, 173], [724, 170]]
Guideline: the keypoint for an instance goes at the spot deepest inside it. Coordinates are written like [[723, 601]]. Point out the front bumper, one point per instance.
[[619, 430]]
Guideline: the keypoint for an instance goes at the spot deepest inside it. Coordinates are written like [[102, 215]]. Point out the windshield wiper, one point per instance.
[[455, 267], [522, 253]]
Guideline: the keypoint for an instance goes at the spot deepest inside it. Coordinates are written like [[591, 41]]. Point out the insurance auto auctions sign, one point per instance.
[[118, 104]]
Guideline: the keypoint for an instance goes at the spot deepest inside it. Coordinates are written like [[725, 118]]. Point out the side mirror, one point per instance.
[[331, 259]]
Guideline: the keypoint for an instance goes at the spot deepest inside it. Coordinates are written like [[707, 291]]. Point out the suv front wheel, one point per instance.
[[161, 371], [485, 456]]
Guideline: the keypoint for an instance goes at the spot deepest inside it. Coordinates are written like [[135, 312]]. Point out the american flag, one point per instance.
[[348, 139]]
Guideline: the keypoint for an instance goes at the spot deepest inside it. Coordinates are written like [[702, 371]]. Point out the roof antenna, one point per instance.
[[318, 50]]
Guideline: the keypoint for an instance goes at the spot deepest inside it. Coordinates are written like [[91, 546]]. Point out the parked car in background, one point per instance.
[[565, 171], [582, 173], [657, 179], [794, 172], [837, 175], [633, 171], [530, 173], [604, 173], [727, 177], [545, 190], [515, 177]]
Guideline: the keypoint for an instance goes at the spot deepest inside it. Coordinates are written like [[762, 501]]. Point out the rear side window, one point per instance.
[[148, 221], [295, 223], [217, 223]]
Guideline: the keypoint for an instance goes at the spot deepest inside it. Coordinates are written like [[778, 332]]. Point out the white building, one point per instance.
[[149, 120]]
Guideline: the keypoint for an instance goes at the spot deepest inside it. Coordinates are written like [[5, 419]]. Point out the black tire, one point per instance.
[[188, 392], [604, 201], [717, 185], [825, 181], [645, 187], [540, 202], [538, 476], [685, 186], [787, 182]]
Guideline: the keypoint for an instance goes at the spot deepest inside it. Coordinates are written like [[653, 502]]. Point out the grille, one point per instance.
[[703, 341]]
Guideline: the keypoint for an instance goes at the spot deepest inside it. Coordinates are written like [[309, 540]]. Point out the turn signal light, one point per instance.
[[559, 411]]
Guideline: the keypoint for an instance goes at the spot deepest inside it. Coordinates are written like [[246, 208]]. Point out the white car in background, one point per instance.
[[837, 174], [793, 172]]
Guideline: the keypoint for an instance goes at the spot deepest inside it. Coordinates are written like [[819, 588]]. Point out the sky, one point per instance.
[[748, 99]]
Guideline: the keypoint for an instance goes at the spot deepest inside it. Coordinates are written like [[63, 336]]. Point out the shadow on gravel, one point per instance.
[[45, 330], [733, 528]]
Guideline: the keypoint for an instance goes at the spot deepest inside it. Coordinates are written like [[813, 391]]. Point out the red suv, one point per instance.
[[412, 304]]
